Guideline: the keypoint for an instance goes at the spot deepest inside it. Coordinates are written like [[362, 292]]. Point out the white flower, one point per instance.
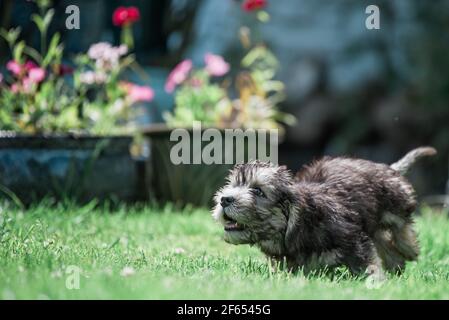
[[97, 50], [179, 250], [106, 56], [56, 274], [87, 77], [95, 115], [123, 49], [91, 77], [116, 108], [100, 77], [48, 242], [127, 271], [108, 271]]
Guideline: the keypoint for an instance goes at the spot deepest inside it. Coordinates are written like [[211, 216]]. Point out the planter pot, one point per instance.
[[67, 166], [183, 184]]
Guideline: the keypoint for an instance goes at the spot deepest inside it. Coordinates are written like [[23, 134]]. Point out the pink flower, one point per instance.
[[178, 75], [215, 65], [14, 67], [137, 93], [29, 71], [36, 75], [27, 85], [14, 88]]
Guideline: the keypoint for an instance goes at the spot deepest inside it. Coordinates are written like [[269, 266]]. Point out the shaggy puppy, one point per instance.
[[336, 211]]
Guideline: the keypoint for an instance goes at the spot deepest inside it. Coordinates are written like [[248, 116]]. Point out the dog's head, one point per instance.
[[254, 204]]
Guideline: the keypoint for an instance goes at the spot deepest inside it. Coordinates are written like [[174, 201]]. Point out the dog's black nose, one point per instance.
[[226, 201]]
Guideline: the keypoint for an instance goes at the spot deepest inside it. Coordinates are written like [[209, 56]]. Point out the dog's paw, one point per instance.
[[376, 277]]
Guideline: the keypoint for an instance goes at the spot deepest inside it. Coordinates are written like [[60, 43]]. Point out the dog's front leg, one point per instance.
[[281, 263], [375, 272]]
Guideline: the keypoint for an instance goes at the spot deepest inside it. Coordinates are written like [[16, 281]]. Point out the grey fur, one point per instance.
[[334, 212]]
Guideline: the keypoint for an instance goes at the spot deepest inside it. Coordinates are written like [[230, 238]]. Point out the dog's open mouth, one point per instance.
[[232, 225]]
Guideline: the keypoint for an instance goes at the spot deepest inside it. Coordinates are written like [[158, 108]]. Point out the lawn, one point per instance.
[[145, 253]]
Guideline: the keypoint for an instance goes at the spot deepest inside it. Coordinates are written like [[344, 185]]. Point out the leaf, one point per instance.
[[48, 17], [11, 36], [43, 23], [4, 34], [37, 19], [54, 41], [286, 118], [33, 53], [260, 57], [263, 16], [18, 51], [54, 50], [250, 57]]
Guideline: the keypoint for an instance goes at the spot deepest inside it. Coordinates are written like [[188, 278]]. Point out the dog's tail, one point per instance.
[[410, 158]]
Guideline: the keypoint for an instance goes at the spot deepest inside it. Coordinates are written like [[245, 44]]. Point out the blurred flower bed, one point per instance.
[[205, 94], [40, 94]]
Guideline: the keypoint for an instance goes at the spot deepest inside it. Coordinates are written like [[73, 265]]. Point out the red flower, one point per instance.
[[252, 5], [63, 69], [123, 16], [30, 65], [134, 14]]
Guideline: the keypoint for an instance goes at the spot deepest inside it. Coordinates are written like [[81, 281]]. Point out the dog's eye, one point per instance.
[[258, 192]]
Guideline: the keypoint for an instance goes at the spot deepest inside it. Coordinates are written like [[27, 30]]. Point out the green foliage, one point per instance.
[[179, 255], [252, 105], [197, 104]]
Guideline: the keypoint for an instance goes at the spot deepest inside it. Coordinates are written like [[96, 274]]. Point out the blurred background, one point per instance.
[[373, 94]]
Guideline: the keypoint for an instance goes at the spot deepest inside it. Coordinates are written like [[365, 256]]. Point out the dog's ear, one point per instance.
[[294, 238], [233, 172], [284, 175], [236, 168], [287, 198], [290, 209]]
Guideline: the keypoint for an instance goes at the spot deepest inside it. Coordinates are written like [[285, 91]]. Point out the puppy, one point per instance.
[[335, 212]]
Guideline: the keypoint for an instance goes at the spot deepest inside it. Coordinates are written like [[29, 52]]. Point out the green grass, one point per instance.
[[37, 246]]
